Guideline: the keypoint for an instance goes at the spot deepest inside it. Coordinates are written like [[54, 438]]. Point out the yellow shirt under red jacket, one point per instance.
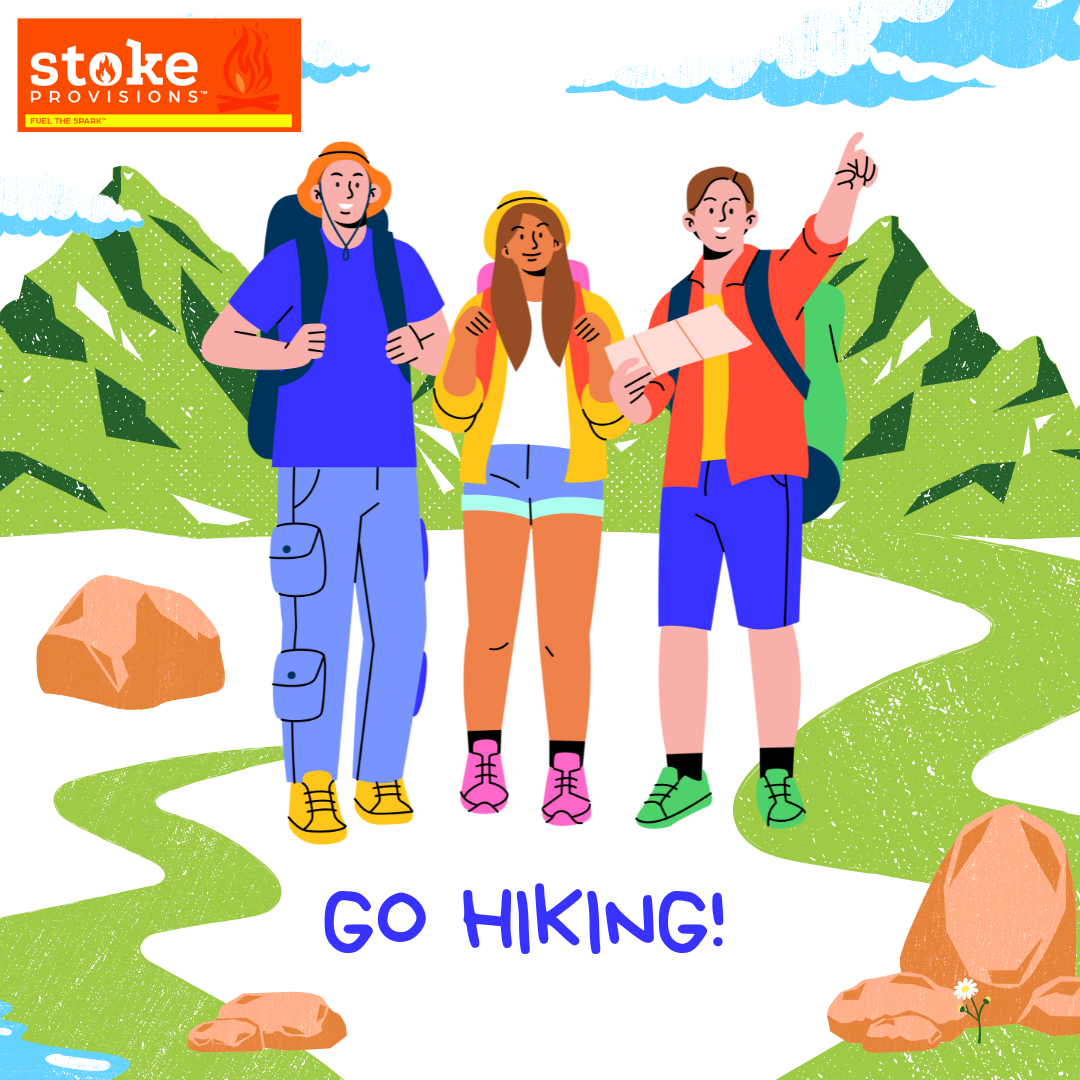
[[764, 427], [592, 422]]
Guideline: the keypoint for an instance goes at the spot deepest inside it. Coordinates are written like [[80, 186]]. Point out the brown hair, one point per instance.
[[508, 304], [695, 190]]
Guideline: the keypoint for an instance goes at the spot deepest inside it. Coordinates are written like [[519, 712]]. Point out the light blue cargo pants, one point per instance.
[[341, 529]]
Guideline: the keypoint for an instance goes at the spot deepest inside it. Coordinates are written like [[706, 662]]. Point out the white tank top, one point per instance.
[[534, 406]]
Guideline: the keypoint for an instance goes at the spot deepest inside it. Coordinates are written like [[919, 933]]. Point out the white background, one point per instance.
[[462, 104]]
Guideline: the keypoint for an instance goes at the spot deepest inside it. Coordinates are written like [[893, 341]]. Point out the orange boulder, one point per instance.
[[130, 646], [1000, 910]]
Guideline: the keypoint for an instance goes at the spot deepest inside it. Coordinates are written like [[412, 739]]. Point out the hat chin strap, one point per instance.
[[363, 220]]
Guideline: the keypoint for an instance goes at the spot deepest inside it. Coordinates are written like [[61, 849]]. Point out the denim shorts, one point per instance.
[[530, 481], [757, 524]]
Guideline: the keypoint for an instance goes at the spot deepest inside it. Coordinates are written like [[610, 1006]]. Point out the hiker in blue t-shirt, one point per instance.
[[348, 509]]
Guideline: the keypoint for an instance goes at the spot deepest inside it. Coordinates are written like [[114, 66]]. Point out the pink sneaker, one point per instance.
[[566, 794], [483, 788]]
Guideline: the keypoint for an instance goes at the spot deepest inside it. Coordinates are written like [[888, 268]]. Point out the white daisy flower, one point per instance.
[[965, 989]]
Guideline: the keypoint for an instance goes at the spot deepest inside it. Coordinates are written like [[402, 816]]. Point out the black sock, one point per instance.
[[777, 757], [686, 765], [564, 746], [476, 736]]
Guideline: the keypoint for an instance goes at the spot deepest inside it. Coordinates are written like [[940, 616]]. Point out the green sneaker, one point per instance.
[[778, 799], [674, 797]]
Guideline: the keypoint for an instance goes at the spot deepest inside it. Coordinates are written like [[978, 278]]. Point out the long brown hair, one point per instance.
[[508, 304]]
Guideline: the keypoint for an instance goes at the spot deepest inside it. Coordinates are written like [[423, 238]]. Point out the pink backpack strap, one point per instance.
[[579, 351], [485, 349]]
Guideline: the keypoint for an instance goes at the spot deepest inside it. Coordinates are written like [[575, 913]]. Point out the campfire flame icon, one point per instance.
[[247, 70], [105, 68]]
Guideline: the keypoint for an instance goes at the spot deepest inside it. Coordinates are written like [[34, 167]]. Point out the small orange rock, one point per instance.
[[216, 1036], [855, 1011], [1055, 1008], [288, 1021], [895, 1034]]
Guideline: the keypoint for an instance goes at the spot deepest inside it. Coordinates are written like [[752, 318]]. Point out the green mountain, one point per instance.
[[109, 417], [108, 414], [957, 434]]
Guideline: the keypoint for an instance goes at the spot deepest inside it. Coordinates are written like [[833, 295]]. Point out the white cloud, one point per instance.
[[36, 198], [829, 41], [323, 53]]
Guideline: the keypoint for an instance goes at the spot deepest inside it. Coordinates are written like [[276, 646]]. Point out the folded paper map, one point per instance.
[[708, 332]]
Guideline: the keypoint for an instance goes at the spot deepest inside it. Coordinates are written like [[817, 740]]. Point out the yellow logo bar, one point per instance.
[[157, 120]]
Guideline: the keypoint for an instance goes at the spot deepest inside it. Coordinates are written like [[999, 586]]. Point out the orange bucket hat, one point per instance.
[[338, 151]]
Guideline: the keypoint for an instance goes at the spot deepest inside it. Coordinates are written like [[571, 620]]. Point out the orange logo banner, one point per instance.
[[159, 74]]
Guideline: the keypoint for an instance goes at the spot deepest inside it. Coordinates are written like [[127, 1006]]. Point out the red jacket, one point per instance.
[[765, 430]]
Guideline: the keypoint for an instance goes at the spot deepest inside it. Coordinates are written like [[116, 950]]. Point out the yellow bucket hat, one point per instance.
[[506, 203]]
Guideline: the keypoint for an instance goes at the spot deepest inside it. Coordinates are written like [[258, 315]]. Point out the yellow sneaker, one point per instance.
[[383, 804], [314, 814]]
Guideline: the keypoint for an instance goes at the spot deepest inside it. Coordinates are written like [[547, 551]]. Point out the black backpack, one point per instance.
[[290, 221]]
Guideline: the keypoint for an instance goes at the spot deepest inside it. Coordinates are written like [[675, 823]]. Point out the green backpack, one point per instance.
[[826, 407], [820, 382]]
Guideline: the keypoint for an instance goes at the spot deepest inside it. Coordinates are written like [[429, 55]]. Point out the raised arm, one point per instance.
[[233, 342], [855, 172]]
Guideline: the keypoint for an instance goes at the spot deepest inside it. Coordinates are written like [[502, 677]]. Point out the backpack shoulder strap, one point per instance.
[[579, 351], [679, 298], [678, 306], [314, 273], [288, 220], [388, 278], [485, 348], [759, 305]]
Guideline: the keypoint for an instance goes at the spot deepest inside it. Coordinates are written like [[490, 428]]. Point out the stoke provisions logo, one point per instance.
[[159, 74]]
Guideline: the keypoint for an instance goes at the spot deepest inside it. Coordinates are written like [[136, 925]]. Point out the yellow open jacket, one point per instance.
[[592, 422]]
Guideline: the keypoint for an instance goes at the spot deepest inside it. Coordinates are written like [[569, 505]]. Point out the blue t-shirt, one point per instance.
[[352, 407]]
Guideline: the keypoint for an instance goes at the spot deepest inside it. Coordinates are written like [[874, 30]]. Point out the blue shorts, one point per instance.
[[757, 524], [530, 481]]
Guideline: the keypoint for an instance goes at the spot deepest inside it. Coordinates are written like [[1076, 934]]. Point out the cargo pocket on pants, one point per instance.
[[297, 560], [299, 684]]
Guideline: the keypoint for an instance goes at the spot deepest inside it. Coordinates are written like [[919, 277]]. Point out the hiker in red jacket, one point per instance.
[[736, 460]]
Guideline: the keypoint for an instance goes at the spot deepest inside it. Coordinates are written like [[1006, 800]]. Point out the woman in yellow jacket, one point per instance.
[[526, 378]]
